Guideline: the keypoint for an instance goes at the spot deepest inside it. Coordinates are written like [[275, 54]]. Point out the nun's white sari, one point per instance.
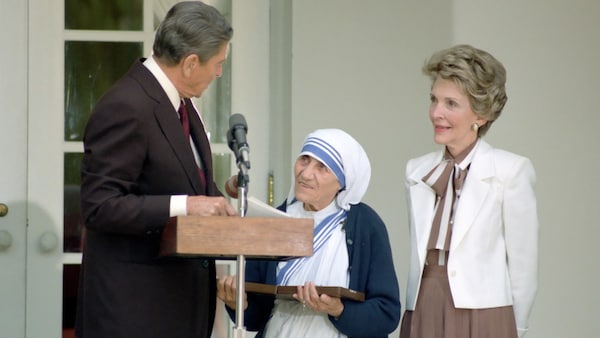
[[328, 266]]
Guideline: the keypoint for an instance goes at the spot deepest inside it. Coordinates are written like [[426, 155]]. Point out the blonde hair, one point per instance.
[[478, 74]]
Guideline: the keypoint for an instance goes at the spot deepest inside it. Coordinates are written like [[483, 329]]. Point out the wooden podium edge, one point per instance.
[[224, 237]]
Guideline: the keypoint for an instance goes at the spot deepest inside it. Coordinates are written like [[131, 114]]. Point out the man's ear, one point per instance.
[[189, 63]]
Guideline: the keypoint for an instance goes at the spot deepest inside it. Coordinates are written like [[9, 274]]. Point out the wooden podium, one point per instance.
[[225, 237]]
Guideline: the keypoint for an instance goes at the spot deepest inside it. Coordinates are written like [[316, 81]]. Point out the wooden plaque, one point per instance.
[[287, 291]]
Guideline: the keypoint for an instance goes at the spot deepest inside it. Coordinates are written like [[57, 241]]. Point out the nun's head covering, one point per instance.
[[345, 157]]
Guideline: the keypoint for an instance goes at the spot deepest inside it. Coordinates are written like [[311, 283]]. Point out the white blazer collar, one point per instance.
[[475, 189]]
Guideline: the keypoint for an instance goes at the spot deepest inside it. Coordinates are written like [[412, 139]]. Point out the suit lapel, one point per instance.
[[422, 202], [474, 192], [171, 127]]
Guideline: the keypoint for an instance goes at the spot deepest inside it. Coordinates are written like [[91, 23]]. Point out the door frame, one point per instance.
[[13, 179], [45, 170]]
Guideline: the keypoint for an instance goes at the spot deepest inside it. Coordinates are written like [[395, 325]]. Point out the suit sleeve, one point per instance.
[[114, 197], [521, 232]]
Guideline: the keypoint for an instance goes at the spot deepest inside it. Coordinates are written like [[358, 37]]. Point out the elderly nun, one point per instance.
[[351, 249]]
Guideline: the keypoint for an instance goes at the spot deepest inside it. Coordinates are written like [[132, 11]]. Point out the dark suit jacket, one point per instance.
[[136, 157]]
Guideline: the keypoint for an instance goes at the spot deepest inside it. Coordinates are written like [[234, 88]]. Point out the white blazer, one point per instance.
[[494, 246]]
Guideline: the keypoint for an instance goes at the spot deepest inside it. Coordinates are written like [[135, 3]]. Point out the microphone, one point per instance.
[[236, 137]]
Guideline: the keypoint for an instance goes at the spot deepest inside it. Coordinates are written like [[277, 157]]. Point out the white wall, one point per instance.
[[356, 65], [250, 84]]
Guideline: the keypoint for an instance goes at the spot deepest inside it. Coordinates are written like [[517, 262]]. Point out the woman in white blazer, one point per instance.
[[472, 212]]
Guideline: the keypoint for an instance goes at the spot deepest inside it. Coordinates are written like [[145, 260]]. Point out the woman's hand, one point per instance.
[[309, 297], [227, 291], [231, 186]]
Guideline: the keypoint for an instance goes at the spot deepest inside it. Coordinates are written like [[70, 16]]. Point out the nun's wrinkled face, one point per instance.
[[315, 185]]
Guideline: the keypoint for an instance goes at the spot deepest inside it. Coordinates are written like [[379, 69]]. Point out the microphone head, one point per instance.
[[236, 121], [237, 130]]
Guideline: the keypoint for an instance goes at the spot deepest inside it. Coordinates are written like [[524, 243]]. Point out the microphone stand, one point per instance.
[[240, 330]]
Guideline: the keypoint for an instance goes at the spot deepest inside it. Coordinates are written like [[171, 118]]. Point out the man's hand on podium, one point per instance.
[[209, 206]]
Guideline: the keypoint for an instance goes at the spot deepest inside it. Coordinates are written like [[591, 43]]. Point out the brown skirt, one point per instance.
[[436, 317]]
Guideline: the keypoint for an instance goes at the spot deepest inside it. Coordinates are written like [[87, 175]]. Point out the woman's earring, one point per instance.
[[475, 127]]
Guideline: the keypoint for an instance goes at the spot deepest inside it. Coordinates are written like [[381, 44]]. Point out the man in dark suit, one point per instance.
[[139, 168]]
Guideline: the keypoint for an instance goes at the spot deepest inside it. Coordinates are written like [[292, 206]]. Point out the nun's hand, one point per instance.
[[310, 298]]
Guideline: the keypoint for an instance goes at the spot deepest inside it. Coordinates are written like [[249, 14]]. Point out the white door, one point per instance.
[[13, 166], [56, 98]]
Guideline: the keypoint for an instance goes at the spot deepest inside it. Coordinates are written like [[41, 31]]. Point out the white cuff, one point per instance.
[[178, 206]]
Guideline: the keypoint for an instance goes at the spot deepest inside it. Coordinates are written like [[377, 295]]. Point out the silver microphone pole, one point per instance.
[[240, 330]]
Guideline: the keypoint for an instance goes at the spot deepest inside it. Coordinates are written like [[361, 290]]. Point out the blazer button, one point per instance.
[[205, 264]]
